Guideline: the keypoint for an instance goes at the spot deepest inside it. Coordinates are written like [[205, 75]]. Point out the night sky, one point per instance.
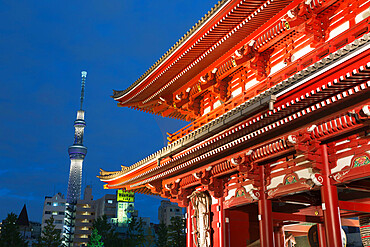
[[43, 47]]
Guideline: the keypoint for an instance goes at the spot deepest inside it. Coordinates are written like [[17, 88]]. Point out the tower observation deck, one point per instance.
[[77, 153]]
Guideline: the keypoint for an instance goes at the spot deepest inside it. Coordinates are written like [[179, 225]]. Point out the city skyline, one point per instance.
[[46, 45]]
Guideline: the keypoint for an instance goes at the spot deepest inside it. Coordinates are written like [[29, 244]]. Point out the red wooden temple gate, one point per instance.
[[277, 95]]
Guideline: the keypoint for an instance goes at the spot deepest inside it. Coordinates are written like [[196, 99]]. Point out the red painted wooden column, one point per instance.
[[189, 235], [330, 205], [221, 221], [265, 214], [321, 233], [227, 231], [279, 238]]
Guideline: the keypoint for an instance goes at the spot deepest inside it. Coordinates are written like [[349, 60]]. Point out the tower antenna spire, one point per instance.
[[83, 79]]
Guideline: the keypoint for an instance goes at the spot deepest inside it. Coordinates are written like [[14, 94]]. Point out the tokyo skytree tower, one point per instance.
[[77, 153]]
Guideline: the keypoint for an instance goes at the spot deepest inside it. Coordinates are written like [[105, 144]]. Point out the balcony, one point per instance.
[[82, 217], [83, 209], [82, 232], [79, 240], [84, 224]]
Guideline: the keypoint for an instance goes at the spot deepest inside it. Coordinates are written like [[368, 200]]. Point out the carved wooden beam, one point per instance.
[[261, 64], [155, 187], [193, 106], [216, 187], [183, 197]]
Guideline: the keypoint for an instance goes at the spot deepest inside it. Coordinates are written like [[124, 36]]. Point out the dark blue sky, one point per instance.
[[43, 47]]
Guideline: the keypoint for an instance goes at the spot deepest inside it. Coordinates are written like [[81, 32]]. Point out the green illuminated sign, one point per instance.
[[125, 196]]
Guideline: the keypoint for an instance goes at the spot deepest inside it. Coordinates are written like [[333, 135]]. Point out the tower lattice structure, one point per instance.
[[77, 153]]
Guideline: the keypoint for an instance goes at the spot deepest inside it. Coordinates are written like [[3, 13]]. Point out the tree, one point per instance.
[[50, 236], [176, 232], [108, 236], [135, 233], [95, 239], [162, 235], [10, 235], [102, 226], [149, 236]]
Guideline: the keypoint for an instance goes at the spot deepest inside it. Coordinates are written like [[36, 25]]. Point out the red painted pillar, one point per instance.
[[330, 206], [221, 222], [321, 233], [227, 228], [279, 238], [189, 235], [265, 214]]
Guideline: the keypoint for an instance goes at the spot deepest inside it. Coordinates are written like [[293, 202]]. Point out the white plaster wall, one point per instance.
[[230, 194], [217, 104], [251, 83], [363, 15], [236, 92], [207, 110], [302, 52], [277, 67], [346, 161], [304, 173], [248, 187], [214, 200], [276, 181], [336, 31], [341, 163]]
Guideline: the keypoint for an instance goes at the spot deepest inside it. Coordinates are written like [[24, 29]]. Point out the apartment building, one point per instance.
[[54, 206], [167, 210], [85, 216]]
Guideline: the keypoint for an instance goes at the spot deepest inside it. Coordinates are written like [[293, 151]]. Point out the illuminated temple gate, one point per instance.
[[277, 93]]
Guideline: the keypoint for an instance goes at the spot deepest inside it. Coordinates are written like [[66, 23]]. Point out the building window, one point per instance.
[[55, 204], [48, 203], [177, 210], [58, 222], [170, 209], [55, 213], [47, 212], [110, 201], [61, 213]]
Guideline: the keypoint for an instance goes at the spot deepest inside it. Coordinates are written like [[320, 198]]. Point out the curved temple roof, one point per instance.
[[179, 43], [229, 26], [311, 72], [222, 28]]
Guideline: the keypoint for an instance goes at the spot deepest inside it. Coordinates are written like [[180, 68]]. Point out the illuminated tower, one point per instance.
[[77, 153]]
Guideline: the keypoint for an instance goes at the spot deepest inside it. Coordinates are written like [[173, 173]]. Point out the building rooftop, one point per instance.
[[23, 217]]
